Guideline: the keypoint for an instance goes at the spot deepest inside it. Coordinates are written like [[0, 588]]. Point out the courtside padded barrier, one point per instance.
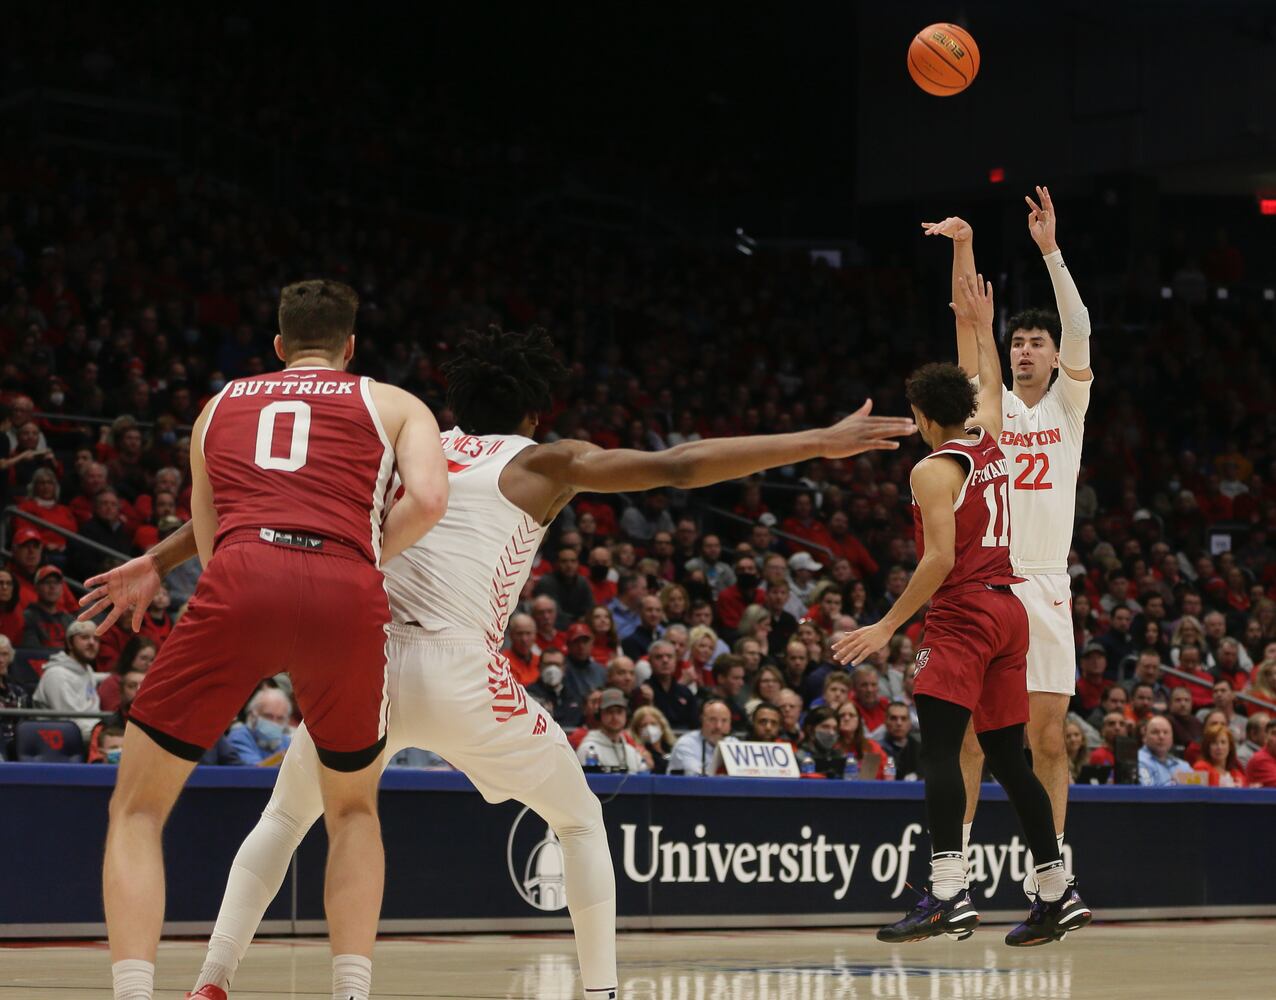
[[689, 852]]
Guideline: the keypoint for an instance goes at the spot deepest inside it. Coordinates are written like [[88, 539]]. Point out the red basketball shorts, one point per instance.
[[261, 609], [974, 653]]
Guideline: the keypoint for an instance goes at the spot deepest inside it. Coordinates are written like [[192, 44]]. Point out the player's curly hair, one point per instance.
[[497, 377], [1035, 319], [942, 392]]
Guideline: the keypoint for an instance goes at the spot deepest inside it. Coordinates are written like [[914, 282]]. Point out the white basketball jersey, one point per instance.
[[1042, 445], [465, 575]]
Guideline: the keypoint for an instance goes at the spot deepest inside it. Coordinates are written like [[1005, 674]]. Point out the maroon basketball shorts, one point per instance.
[[263, 608], [974, 653]]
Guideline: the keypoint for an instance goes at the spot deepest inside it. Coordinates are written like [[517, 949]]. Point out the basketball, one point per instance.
[[943, 59]]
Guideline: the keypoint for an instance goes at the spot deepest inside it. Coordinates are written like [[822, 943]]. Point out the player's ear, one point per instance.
[[349, 351], [279, 349]]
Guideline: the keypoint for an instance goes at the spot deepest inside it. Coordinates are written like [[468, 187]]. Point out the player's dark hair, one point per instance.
[[496, 378], [1035, 319], [942, 392], [316, 315]]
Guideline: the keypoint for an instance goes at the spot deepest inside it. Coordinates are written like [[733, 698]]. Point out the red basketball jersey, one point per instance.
[[982, 512], [300, 450]]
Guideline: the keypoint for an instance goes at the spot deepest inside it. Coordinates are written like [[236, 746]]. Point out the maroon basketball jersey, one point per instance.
[[982, 512], [300, 450]]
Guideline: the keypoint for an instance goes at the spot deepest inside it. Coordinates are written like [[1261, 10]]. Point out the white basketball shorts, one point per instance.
[[1052, 651], [457, 699]]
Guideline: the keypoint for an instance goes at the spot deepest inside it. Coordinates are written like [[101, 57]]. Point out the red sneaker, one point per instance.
[[209, 992]]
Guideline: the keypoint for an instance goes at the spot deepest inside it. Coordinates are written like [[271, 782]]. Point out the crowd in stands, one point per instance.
[[655, 626]]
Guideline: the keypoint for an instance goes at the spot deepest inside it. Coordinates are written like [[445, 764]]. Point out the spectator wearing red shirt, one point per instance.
[[825, 612], [745, 591], [868, 700], [147, 535], [851, 738], [1190, 663], [167, 480], [525, 662], [815, 537], [847, 546], [1261, 771], [1093, 680], [605, 523], [1115, 726], [1227, 664], [548, 636], [28, 559], [603, 628], [43, 502], [602, 579], [136, 657], [93, 480], [1218, 758]]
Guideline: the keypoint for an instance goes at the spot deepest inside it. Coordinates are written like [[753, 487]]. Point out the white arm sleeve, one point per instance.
[[1074, 347]]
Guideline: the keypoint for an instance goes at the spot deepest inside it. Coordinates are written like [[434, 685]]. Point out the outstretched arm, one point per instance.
[[974, 309], [936, 483], [582, 466], [1074, 347], [963, 237]]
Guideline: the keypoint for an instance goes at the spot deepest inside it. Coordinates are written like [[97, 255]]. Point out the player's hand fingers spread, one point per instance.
[[93, 612], [93, 595], [109, 621], [139, 613]]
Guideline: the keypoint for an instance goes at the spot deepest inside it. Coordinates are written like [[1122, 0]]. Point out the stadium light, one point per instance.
[[1267, 206], [996, 175], [1222, 294], [1167, 292]]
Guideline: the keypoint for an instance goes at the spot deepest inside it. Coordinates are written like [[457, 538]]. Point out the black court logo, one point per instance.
[[923, 655]]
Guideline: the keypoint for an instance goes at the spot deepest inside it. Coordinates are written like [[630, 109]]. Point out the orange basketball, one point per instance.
[[943, 59]]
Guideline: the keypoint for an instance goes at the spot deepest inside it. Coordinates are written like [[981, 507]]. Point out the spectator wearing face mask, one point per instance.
[[650, 730], [551, 691], [265, 731], [820, 735], [745, 591], [130, 681], [602, 578], [108, 744]]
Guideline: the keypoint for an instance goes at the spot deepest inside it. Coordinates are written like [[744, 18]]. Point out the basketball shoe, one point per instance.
[[209, 992], [1051, 921], [931, 916]]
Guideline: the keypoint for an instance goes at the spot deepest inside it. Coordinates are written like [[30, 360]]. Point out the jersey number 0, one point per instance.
[[297, 445]]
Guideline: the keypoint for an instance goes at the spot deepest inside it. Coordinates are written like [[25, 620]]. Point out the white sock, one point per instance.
[[947, 874], [965, 837], [351, 977], [219, 964], [133, 979], [1052, 881], [1059, 839]]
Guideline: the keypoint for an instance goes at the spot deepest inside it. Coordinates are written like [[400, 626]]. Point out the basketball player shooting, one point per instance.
[[1042, 437], [289, 474], [451, 595], [972, 662]]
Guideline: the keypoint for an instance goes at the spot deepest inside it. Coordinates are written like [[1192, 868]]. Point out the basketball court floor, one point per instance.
[[1165, 961]]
